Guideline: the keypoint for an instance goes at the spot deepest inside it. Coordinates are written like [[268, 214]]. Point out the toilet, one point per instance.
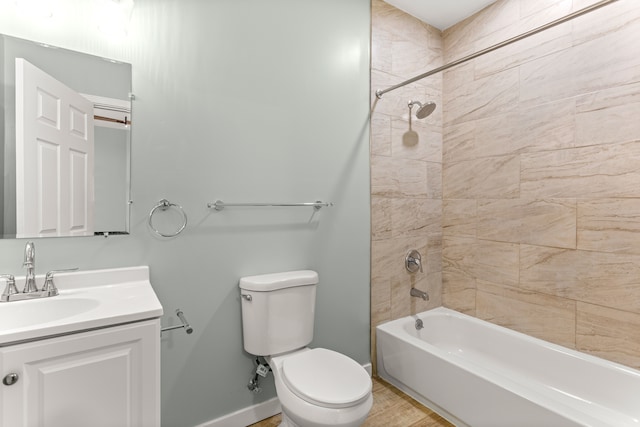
[[316, 387]]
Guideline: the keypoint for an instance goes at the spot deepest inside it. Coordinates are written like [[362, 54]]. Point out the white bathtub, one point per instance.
[[475, 373]]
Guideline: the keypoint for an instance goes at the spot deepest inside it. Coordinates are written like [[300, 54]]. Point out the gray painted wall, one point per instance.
[[243, 101]]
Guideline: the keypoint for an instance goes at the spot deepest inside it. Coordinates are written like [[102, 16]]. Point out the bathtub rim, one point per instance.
[[396, 329], [397, 325]]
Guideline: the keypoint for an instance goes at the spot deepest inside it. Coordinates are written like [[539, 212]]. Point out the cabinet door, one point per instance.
[[102, 378]]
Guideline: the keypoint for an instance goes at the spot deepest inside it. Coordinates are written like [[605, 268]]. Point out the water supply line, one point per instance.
[[262, 370]]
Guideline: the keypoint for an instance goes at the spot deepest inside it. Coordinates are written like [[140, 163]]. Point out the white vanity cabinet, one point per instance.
[[107, 377]]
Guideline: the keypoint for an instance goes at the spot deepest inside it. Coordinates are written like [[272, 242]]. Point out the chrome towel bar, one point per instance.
[[220, 205]]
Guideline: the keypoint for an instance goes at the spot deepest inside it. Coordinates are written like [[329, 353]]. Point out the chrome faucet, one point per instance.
[[30, 290], [420, 294], [30, 263]]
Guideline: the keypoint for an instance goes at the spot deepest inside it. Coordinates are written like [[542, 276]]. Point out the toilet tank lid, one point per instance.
[[273, 281]]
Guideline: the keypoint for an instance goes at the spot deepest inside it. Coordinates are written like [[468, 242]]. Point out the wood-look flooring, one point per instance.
[[391, 408]]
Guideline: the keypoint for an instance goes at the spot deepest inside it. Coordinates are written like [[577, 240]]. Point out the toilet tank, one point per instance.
[[278, 311]]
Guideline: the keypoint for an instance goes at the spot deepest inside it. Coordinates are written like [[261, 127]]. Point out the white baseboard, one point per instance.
[[255, 413], [247, 416]]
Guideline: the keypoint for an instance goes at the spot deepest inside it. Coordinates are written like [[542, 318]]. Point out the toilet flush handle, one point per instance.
[[247, 297]]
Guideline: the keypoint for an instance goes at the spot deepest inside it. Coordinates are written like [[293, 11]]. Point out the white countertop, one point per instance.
[[87, 300]]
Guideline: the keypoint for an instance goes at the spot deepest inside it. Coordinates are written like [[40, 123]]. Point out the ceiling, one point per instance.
[[440, 13]]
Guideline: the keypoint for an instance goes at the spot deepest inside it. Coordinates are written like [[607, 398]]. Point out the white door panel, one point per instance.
[[54, 156]]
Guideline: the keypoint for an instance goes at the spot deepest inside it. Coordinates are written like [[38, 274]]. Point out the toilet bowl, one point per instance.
[[321, 388], [316, 387]]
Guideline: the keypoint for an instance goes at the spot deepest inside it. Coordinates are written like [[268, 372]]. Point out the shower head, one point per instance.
[[424, 110]]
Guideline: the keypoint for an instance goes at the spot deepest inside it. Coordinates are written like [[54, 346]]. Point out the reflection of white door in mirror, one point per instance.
[[54, 157]]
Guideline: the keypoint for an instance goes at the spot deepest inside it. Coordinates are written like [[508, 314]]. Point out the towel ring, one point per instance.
[[164, 204]]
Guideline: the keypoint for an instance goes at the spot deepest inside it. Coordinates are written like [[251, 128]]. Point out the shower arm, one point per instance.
[[537, 30]]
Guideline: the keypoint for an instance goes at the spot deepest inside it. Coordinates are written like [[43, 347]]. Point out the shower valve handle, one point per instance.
[[413, 261]]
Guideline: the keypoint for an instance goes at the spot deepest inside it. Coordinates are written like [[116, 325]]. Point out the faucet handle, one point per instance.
[[10, 289], [49, 287], [413, 261]]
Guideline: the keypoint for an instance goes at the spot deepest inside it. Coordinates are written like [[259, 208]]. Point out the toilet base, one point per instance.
[[286, 421]]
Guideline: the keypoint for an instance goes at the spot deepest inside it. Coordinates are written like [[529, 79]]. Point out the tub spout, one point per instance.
[[420, 294]]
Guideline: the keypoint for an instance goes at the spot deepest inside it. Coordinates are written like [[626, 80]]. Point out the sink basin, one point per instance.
[[86, 300], [21, 314]]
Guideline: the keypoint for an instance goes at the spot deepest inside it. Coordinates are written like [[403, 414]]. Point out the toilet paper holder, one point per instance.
[[185, 324]]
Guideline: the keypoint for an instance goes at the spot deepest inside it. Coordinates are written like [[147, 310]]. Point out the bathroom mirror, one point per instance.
[[49, 191]]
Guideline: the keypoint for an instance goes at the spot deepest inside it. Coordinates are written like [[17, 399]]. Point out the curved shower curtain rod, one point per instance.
[[537, 30]]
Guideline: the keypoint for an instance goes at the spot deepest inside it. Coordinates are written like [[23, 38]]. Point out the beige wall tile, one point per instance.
[[381, 264], [552, 40], [609, 333], [494, 177], [528, 7], [496, 262], [380, 218], [412, 217], [387, 17], [383, 259], [381, 49], [522, 19], [476, 99], [607, 98], [579, 70], [541, 316], [420, 141], [560, 110], [497, 135], [461, 39], [459, 217], [458, 291], [434, 180], [609, 225], [433, 261], [600, 278], [381, 135], [458, 255], [614, 17], [401, 279], [455, 77], [459, 142], [400, 299], [609, 116], [380, 302], [392, 177], [432, 284], [395, 103], [585, 172], [458, 280], [548, 126], [411, 58], [549, 222], [406, 173]]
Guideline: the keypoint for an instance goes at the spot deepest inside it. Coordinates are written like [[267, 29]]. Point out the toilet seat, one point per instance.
[[326, 378]]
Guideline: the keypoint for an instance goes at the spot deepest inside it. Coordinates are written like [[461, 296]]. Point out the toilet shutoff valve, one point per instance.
[[262, 370]]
